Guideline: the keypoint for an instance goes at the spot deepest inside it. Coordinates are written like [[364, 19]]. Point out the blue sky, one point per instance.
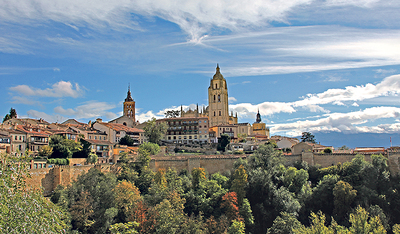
[[329, 66]]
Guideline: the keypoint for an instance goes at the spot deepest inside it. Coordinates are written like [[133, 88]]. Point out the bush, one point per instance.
[[238, 152], [328, 150]]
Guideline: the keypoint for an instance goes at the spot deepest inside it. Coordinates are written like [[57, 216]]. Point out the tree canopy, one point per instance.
[[307, 137], [155, 131]]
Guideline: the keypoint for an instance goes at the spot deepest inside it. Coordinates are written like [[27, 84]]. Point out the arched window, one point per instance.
[[124, 123], [216, 86], [214, 98], [219, 113], [219, 98], [214, 113]]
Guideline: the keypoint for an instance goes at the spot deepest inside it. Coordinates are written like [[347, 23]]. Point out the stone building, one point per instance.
[[128, 118], [186, 130], [259, 128], [218, 107]]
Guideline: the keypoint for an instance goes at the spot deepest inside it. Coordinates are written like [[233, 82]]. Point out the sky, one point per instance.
[[330, 67]]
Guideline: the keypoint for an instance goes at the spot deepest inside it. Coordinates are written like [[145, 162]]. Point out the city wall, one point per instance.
[[49, 178]]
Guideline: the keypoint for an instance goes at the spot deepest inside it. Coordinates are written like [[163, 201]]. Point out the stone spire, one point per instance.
[[258, 119], [218, 75], [128, 96]]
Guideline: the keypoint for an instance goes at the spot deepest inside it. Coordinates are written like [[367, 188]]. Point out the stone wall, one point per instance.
[[49, 178]]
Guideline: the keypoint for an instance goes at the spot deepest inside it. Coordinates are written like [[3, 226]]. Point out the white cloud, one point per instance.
[[232, 99], [388, 86], [89, 110], [59, 89], [25, 101], [352, 122]]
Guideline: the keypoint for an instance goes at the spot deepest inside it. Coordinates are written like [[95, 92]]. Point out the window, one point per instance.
[[180, 137], [16, 138], [90, 137], [205, 121], [199, 131], [219, 113], [174, 137], [169, 138], [219, 98], [205, 131], [199, 121], [190, 137], [95, 137], [214, 98], [214, 113], [184, 137]]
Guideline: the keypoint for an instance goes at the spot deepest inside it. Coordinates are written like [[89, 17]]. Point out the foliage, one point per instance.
[[124, 228], [284, 224], [93, 192], [58, 161], [152, 148], [126, 140], [307, 137], [11, 115], [344, 196], [62, 147], [237, 227], [223, 142], [92, 158], [154, 131], [327, 150], [23, 210], [172, 114], [45, 151]]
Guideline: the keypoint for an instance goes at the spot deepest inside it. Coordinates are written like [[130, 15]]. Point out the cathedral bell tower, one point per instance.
[[218, 112], [129, 106]]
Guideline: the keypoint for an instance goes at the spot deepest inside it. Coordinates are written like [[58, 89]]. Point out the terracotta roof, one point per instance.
[[121, 127]]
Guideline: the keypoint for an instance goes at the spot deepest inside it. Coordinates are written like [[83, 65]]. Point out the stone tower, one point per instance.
[[129, 106], [218, 111]]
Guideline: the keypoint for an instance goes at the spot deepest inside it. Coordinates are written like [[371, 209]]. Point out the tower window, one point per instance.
[[216, 86], [219, 98], [214, 98], [214, 113], [219, 113]]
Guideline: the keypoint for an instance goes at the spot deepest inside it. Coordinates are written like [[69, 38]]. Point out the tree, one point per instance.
[[343, 147], [239, 182], [92, 158], [62, 147], [362, 222], [307, 137], [152, 148], [327, 150], [154, 131], [126, 140], [11, 115], [172, 114], [230, 205], [45, 151], [284, 224], [23, 210], [223, 141], [344, 196]]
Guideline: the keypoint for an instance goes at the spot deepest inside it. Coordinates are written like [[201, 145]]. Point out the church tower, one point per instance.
[[218, 112], [129, 106]]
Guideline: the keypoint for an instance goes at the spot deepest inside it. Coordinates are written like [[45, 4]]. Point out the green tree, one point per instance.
[[327, 150], [126, 140], [237, 227], [223, 142], [239, 182], [45, 151], [152, 148], [62, 147], [154, 131], [23, 210], [92, 158], [172, 114], [284, 224], [307, 137], [344, 195], [361, 222], [11, 115], [169, 214]]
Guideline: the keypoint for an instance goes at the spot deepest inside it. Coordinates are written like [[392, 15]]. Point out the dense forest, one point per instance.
[[259, 195]]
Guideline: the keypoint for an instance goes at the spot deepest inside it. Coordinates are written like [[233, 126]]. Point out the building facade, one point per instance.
[[186, 130]]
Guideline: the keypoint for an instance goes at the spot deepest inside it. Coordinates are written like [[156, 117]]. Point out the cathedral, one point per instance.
[[217, 110]]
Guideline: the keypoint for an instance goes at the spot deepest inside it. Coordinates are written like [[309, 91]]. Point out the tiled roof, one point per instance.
[[98, 142], [121, 127]]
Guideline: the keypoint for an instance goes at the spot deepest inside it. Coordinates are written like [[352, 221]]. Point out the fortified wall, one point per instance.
[[49, 178]]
